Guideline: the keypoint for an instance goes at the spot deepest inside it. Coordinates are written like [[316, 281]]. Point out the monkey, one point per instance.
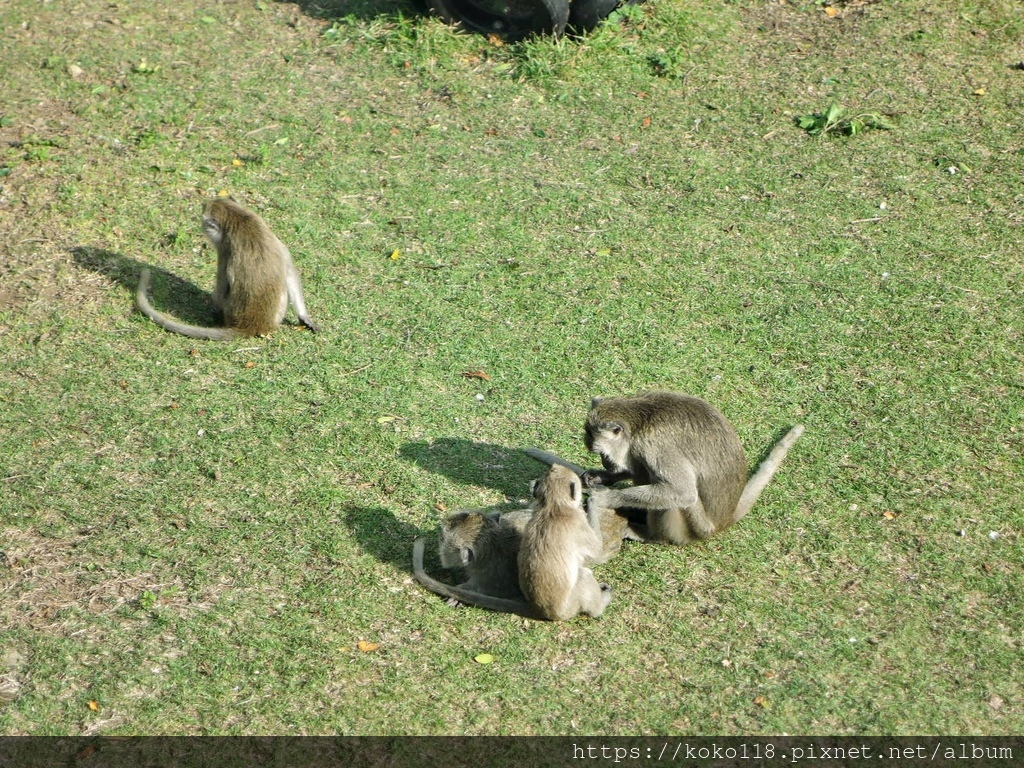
[[486, 545], [256, 277], [558, 543], [685, 459], [556, 548], [614, 525], [458, 594]]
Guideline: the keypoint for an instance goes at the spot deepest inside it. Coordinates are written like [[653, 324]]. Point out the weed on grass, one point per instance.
[[837, 119]]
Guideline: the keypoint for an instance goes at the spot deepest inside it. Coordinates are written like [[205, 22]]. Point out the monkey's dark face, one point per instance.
[[212, 230], [609, 439]]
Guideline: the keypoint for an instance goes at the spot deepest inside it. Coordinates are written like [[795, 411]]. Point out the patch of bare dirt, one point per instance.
[[47, 585]]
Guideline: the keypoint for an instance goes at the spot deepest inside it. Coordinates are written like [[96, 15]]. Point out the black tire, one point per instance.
[[510, 19], [584, 15]]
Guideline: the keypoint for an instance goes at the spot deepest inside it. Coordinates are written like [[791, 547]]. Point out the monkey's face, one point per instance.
[[212, 230], [609, 439]]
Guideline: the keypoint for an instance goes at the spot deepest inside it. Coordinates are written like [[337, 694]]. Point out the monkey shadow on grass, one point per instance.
[[171, 295], [506, 470], [386, 537]]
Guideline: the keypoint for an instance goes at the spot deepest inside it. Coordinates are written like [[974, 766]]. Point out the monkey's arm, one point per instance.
[[677, 491]]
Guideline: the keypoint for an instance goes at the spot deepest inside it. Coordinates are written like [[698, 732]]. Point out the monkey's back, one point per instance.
[[257, 296], [550, 559]]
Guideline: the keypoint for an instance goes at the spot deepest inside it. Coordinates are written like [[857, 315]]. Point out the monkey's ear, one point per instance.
[[594, 402], [575, 490], [533, 487], [467, 555]]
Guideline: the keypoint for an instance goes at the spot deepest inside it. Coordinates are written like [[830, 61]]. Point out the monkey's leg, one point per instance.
[[593, 596], [294, 285], [613, 528]]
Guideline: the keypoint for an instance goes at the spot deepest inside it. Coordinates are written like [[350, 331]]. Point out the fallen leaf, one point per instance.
[[761, 701], [495, 40], [980, 92], [483, 658], [440, 507], [646, 123], [396, 255], [830, 11], [237, 162], [889, 514], [250, 364], [367, 647], [476, 375], [769, 675], [94, 705], [386, 419], [223, 193]]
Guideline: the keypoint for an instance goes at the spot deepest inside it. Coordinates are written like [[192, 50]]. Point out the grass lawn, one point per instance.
[[215, 538]]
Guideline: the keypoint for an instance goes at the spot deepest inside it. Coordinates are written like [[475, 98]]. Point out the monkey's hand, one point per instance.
[[595, 478]]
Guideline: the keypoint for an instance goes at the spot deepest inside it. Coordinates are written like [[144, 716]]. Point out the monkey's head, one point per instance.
[[458, 539], [608, 434], [559, 485], [223, 216]]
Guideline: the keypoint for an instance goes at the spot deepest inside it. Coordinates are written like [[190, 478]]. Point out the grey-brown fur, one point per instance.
[[557, 545], [467, 596], [486, 545], [256, 277], [686, 462]]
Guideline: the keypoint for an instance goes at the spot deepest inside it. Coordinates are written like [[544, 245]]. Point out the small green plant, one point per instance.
[[836, 120], [669, 63], [147, 600]]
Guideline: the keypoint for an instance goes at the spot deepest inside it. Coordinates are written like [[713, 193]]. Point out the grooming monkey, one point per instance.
[[256, 277], [614, 525], [686, 462], [553, 543]]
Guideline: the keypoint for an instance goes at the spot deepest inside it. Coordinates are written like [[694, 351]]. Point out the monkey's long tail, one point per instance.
[[192, 331], [760, 478], [551, 459], [464, 596]]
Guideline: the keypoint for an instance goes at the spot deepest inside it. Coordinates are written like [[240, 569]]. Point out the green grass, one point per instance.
[[196, 536]]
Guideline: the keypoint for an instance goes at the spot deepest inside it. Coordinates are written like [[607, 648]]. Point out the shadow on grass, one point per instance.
[[506, 470], [171, 294], [384, 536], [360, 9], [389, 539]]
